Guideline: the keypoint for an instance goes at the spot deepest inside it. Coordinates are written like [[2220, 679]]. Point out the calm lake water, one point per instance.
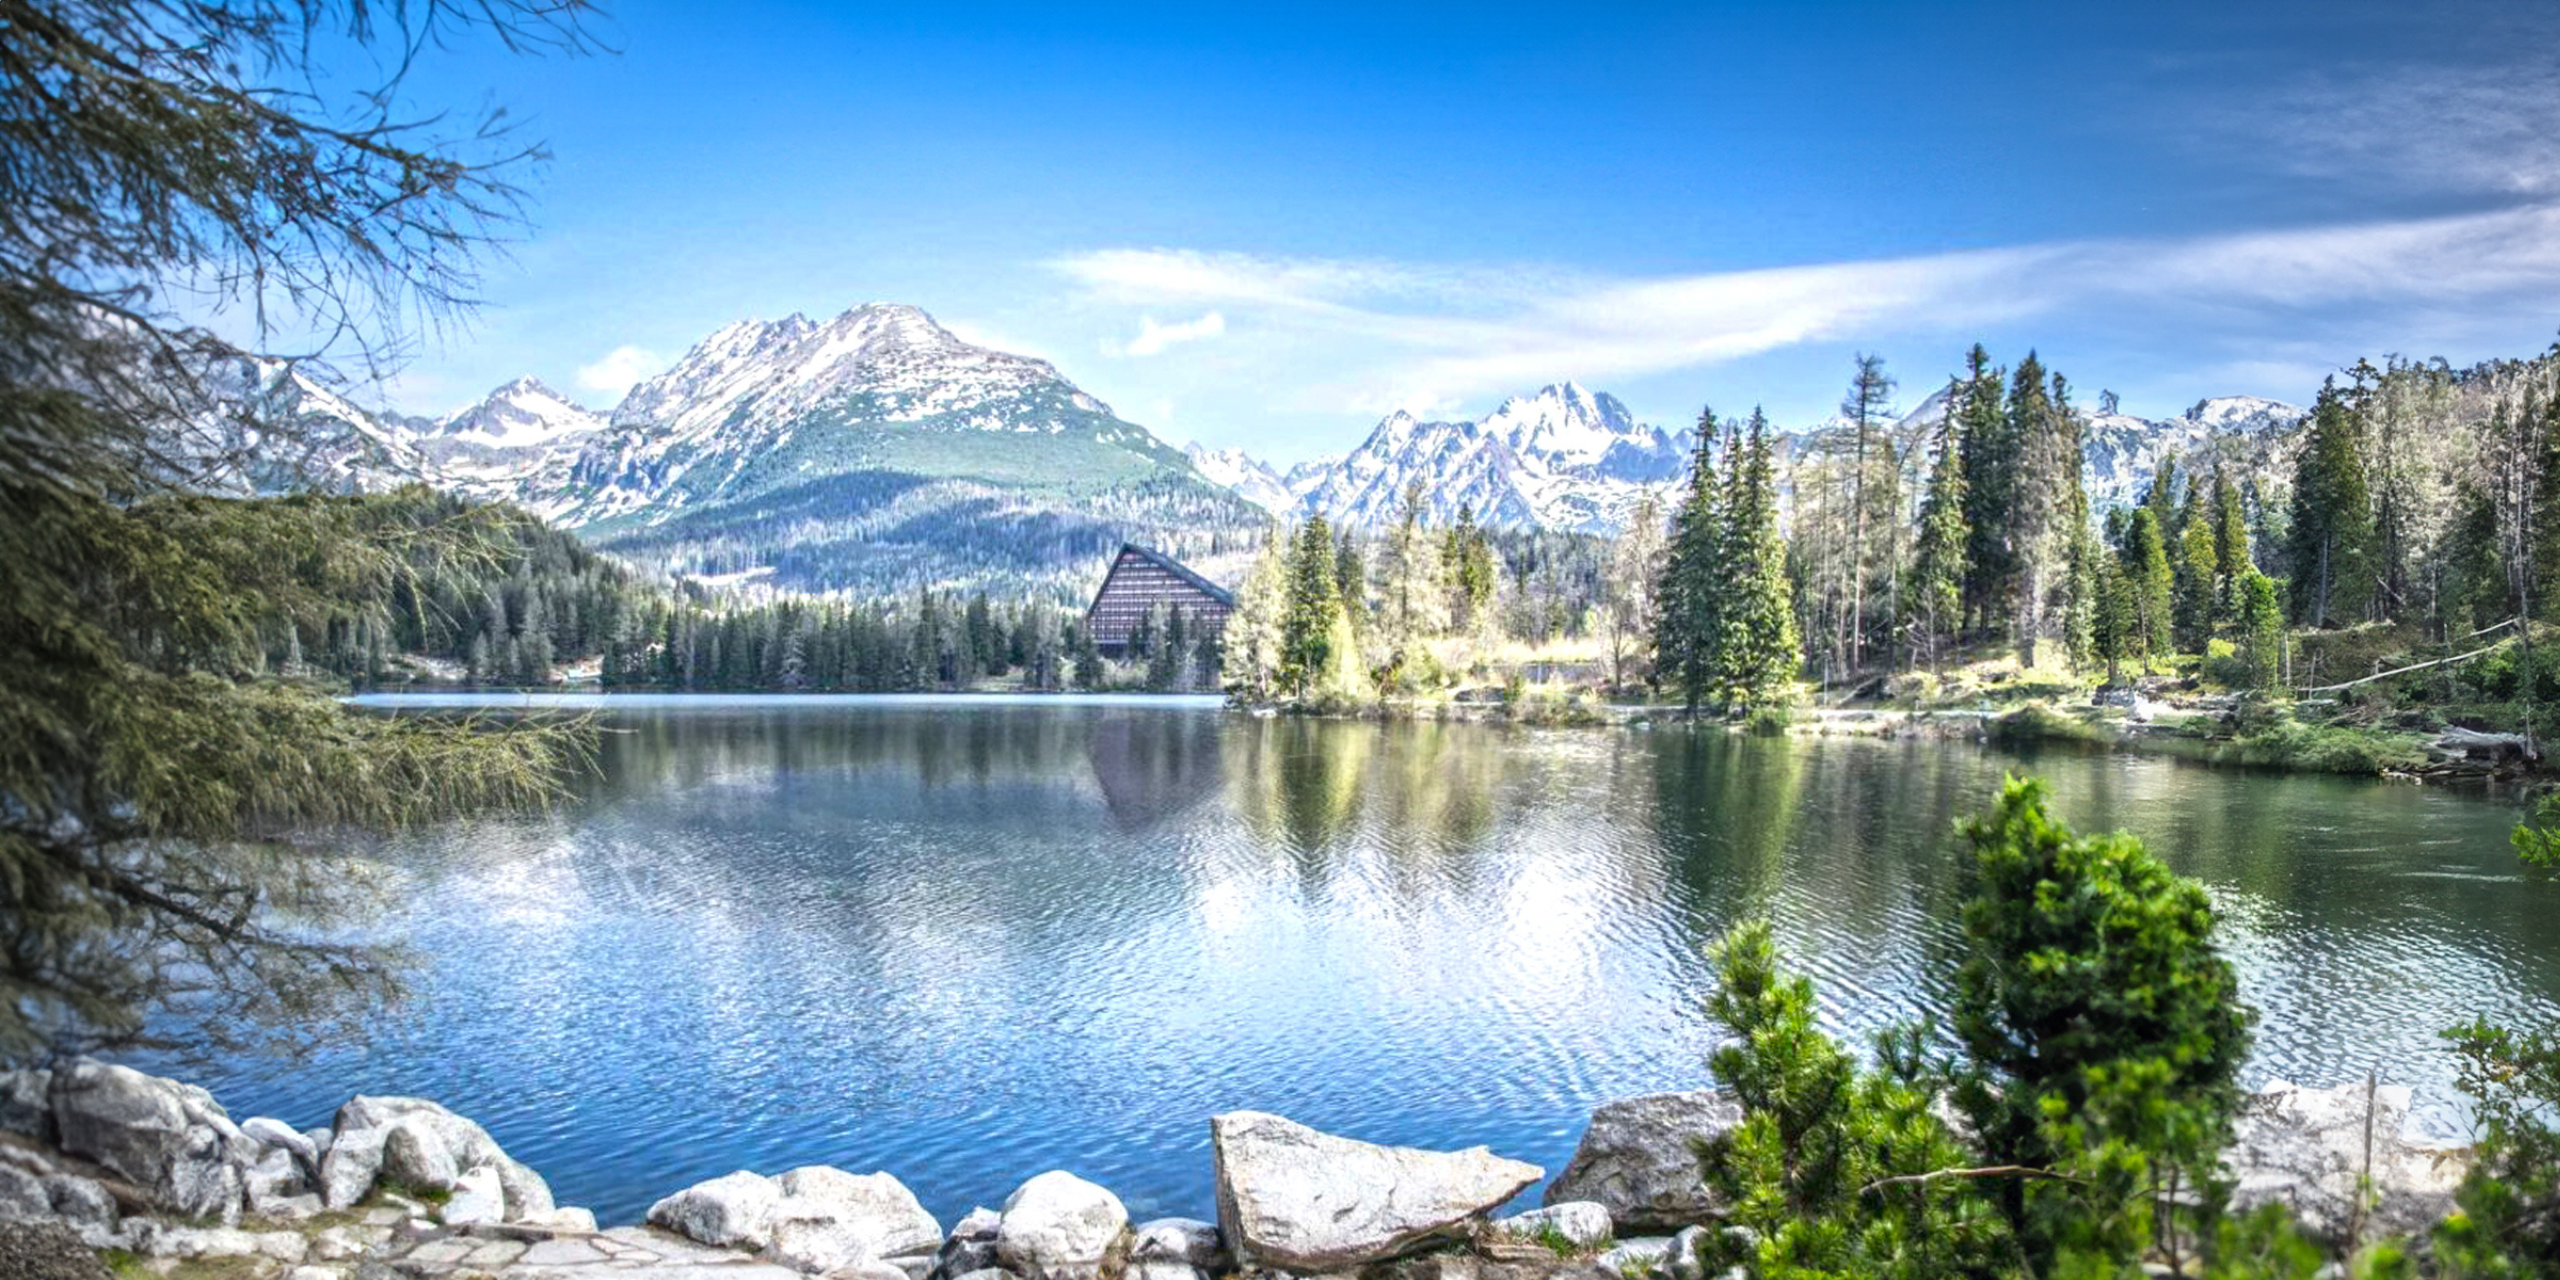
[[968, 940]]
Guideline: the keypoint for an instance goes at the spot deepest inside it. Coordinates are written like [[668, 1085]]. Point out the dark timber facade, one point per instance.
[[1141, 579]]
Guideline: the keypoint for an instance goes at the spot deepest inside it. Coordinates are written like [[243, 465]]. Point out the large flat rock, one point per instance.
[[1639, 1159], [2315, 1150], [1294, 1199]]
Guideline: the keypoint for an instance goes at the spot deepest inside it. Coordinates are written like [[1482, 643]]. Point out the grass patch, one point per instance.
[[127, 1265], [390, 1186], [2039, 722], [1550, 1237], [2290, 744]]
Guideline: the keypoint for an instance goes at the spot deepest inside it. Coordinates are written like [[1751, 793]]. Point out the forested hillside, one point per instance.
[[2380, 561]]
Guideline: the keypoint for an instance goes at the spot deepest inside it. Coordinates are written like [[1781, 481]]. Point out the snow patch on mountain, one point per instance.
[[1252, 479], [1564, 458]]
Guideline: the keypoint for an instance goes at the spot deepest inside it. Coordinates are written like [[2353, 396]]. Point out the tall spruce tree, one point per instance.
[[2232, 558], [2043, 538], [2149, 588], [1939, 568], [2331, 551], [2198, 562], [1307, 626], [1761, 655], [1691, 589], [1868, 403], [1991, 457]]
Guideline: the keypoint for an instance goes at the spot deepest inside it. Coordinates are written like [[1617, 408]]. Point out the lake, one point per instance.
[[966, 940]]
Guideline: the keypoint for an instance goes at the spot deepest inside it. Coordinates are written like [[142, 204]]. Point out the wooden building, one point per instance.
[[1141, 580]]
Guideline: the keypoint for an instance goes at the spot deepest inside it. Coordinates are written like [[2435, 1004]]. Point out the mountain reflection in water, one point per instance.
[[968, 941]]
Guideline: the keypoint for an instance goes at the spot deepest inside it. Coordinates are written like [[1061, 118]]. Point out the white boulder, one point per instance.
[[1058, 1226], [732, 1211], [276, 1133], [1639, 1160], [170, 1139], [1293, 1199], [2311, 1149], [354, 1158], [828, 1218], [478, 1199]]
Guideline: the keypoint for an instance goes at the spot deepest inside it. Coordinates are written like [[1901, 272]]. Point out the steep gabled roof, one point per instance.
[[1177, 569]]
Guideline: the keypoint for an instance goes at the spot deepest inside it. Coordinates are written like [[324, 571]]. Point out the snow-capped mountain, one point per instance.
[[761, 406], [1565, 458], [874, 452], [270, 427], [2122, 452], [1571, 459], [521, 444], [1252, 479]]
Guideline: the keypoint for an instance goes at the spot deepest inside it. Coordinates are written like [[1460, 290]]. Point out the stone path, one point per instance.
[[532, 1253]]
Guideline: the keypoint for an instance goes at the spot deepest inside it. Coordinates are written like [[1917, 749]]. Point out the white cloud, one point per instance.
[[621, 367], [1153, 338], [2487, 126], [1425, 335]]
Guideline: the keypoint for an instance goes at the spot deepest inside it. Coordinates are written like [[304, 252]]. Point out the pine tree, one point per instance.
[[2261, 622], [1990, 453], [1172, 653], [2231, 553], [2148, 586], [1939, 568], [2199, 571], [2112, 623], [1691, 588], [1252, 652], [2105, 1033], [2331, 552], [1761, 657], [1307, 630], [2043, 538], [2161, 499], [1869, 400]]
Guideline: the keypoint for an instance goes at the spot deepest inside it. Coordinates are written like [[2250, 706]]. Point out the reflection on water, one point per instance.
[[968, 942]]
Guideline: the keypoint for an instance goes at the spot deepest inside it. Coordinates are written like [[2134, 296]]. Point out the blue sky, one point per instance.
[[1268, 226]]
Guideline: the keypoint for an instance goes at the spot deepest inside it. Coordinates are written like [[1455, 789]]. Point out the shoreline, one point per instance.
[[155, 1177], [2196, 736]]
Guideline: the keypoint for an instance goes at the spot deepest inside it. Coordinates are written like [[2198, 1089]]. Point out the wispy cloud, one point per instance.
[[2488, 126], [619, 369], [1424, 334], [1153, 337]]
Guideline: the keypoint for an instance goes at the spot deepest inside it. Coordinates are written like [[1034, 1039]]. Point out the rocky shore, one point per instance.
[[102, 1164]]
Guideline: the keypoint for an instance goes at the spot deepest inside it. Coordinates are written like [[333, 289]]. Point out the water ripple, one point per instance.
[[967, 942]]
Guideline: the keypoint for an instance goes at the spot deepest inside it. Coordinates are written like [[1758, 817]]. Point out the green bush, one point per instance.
[[2286, 743], [2103, 1031], [1810, 1175], [2039, 722], [1768, 721], [2508, 1219]]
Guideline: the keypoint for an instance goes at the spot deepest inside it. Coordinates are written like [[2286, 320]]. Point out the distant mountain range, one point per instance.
[[1575, 460], [870, 453], [876, 452]]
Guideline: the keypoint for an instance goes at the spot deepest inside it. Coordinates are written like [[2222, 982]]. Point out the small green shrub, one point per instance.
[[2104, 1032], [2038, 722], [2508, 1223], [2289, 744], [1768, 721]]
